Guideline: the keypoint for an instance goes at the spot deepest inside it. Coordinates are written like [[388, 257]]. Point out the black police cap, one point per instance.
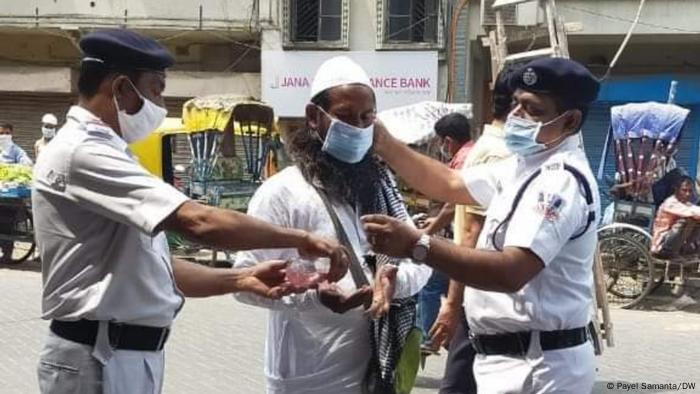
[[565, 79], [125, 50]]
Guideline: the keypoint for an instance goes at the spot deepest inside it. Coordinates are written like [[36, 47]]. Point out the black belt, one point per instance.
[[121, 336], [518, 343]]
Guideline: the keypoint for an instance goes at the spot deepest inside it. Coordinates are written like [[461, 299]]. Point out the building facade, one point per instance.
[[660, 50], [400, 43], [216, 45]]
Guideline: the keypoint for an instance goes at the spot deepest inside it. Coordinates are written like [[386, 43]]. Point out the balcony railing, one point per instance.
[[156, 14]]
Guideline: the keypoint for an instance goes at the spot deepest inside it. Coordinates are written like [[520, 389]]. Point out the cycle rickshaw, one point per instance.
[[218, 153], [645, 137]]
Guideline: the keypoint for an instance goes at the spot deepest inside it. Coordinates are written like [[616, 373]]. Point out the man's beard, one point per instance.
[[353, 183]]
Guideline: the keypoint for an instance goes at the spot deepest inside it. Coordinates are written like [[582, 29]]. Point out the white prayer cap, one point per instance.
[[337, 71], [49, 119]]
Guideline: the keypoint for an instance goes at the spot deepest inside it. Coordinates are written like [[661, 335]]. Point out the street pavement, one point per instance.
[[217, 346]]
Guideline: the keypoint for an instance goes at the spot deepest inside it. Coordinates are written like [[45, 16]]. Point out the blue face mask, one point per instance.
[[521, 135], [346, 142]]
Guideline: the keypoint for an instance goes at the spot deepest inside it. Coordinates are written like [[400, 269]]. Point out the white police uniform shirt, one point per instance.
[[552, 210], [96, 211], [311, 349]]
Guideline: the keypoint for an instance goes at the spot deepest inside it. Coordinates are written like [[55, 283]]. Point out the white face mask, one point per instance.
[[48, 132], [5, 142], [139, 125]]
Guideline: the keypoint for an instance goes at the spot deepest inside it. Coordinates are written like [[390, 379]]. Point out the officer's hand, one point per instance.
[[314, 246], [383, 292], [334, 299], [390, 236], [445, 325], [429, 226], [265, 279], [381, 137]]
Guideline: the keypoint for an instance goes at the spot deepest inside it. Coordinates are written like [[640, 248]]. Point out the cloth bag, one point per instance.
[[395, 340]]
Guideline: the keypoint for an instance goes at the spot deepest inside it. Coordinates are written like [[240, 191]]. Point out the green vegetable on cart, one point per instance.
[[16, 174]]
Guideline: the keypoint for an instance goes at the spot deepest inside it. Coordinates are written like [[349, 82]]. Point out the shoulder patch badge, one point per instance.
[[549, 205], [56, 180]]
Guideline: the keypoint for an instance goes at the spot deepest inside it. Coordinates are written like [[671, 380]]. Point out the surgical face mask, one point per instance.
[[48, 132], [346, 142], [5, 142], [139, 125], [521, 135]]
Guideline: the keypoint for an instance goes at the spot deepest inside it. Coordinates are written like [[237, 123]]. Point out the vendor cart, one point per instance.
[[16, 229]]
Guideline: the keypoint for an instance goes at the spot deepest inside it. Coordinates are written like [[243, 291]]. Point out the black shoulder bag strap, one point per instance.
[[356, 270], [580, 178]]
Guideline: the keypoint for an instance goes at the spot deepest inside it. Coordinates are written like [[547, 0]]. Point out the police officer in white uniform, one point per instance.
[[529, 282], [110, 287]]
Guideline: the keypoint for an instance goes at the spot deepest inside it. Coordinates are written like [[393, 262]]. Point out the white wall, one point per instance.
[[35, 79], [191, 84], [363, 25]]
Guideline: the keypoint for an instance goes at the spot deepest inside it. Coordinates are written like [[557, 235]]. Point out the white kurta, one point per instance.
[[551, 211], [310, 349]]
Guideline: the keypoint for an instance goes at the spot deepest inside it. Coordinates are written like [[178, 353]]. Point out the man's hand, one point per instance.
[[318, 247], [334, 299], [383, 293], [265, 279], [445, 325], [428, 223], [390, 236]]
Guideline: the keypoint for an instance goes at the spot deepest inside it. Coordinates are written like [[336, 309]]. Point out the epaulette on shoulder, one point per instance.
[[99, 130]]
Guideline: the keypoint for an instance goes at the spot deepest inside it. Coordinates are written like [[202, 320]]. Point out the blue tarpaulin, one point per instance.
[[651, 120]]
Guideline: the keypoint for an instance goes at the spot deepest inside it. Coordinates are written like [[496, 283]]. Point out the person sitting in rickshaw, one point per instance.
[[677, 223]]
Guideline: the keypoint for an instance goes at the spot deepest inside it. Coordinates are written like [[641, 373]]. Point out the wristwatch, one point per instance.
[[421, 248]]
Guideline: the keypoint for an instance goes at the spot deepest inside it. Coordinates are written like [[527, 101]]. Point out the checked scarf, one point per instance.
[[388, 334]]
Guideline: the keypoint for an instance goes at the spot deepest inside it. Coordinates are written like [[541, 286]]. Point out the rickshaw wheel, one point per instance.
[[22, 251], [628, 266]]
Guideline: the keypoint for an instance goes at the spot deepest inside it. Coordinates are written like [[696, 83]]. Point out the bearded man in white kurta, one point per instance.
[[318, 342]]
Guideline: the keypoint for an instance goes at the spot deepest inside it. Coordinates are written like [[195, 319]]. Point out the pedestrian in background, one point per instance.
[[49, 123], [454, 133]]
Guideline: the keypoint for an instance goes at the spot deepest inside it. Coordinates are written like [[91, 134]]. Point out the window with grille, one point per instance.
[[412, 21], [312, 22]]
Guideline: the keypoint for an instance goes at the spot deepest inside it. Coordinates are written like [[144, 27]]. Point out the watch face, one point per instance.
[[420, 253]]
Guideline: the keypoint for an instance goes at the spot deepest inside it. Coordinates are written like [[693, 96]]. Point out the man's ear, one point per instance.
[[573, 122], [125, 93], [313, 120]]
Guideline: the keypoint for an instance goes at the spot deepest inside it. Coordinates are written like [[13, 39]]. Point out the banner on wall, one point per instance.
[[398, 78]]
